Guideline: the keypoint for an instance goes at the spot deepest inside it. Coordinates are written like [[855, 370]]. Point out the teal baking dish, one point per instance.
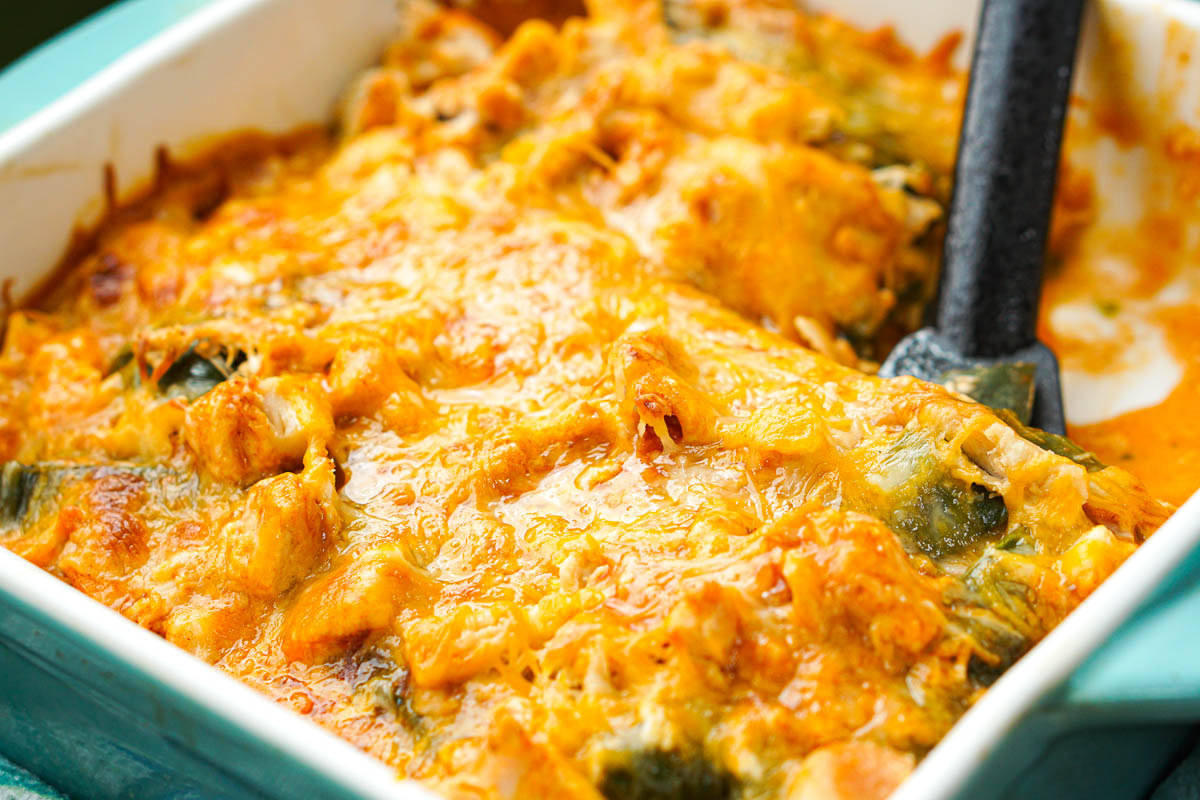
[[104, 709], [101, 712]]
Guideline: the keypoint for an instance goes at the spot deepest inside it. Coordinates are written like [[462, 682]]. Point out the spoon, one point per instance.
[[984, 339]]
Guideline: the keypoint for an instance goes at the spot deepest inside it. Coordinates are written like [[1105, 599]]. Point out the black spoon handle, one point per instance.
[[1005, 174]]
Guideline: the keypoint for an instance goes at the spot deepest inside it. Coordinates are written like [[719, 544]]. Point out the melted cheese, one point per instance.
[[488, 435]]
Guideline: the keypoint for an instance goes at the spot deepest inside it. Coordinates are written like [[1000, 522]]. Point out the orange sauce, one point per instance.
[[1142, 278], [1160, 444]]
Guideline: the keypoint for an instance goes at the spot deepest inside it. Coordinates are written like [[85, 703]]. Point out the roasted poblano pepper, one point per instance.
[[192, 374], [1005, 386], [18, 485], [121, 360], [932, 511], [997, 607], [1000, 643], [1052, 442], [128, 367], [1008, 390], [665, 775], [947, 516], [26, 487]]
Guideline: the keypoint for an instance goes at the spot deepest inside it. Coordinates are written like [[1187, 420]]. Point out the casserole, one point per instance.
[[1156, 540]]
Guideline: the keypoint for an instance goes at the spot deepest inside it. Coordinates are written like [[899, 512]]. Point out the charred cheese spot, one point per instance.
[[106, 539]]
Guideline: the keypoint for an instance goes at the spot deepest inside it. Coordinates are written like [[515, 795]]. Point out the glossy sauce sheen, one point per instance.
[[523, 433], [1122, 302]]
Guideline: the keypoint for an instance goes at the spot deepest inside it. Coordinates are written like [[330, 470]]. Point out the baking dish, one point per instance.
[[141, 706]]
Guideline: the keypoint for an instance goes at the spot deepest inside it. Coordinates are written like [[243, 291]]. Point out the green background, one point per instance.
[[24, 25]]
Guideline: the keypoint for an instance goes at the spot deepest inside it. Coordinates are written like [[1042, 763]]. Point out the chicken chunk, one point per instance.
[[247, 429], [849, 569], [850, 771], [348, 603], [449, 649], [280, 532]]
